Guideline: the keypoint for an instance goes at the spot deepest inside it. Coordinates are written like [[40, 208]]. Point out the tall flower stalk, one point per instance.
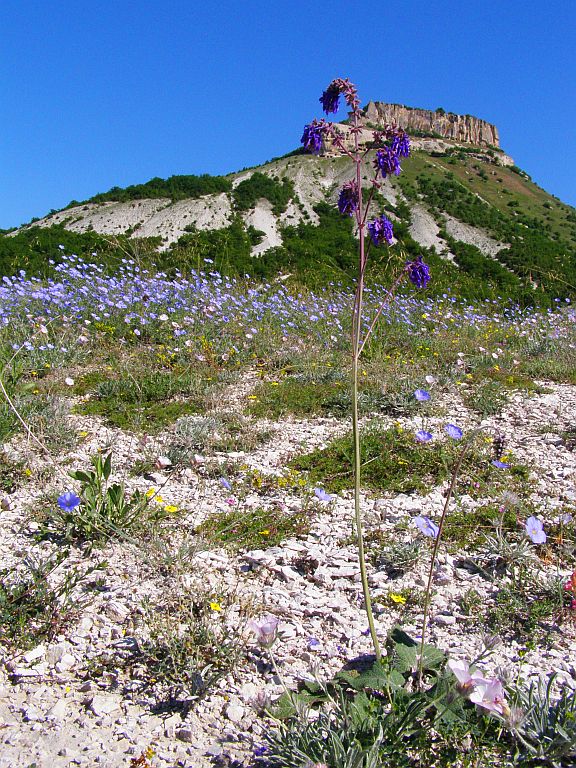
[[390, 145]]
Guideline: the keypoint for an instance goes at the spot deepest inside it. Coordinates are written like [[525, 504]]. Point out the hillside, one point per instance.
[[486, 227]]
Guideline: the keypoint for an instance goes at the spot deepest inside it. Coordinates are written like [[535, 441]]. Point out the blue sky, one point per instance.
[[94, 95]]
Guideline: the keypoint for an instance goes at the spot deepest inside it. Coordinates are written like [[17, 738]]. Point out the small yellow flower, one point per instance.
[[150, 492], [265, 532], [400, 599], [214, 606], [159, 500], [252, 397], [274, 384], [27, 472], [170, 508]]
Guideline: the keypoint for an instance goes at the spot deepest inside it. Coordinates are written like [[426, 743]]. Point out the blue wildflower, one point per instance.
[[68, 501], [422, 436], [500, 464], [535, 530], [321, 494], [453, 431], [421, 395], [426, 526]]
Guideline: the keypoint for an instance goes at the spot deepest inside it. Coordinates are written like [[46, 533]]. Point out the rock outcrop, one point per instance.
[[460, 128]]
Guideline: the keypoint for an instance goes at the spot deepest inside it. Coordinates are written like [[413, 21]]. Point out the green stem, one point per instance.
[[356, 333]]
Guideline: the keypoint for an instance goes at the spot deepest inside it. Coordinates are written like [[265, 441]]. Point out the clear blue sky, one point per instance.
[[94, 95]]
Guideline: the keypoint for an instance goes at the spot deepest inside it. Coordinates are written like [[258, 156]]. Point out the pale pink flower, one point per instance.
[[265, 630]]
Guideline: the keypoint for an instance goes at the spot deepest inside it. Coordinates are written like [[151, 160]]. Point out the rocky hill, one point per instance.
[[459, 196], [460, 128]]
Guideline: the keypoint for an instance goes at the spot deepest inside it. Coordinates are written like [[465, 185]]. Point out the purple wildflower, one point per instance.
[[453, 431], [418, 272], [225, 483], [489, 694], [535, 530], [422, 436], [68, 501], [421, 395], [387, 162], [322, 495], [348, 198], [331, 97], [312, 137], [401, 144], [380, 230], [500, 464], [426, 526], [265, 630]]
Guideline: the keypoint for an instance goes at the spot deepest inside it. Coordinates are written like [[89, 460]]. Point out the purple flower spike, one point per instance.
[[500, 464], [453, 431], [312, 138], [348, 199], [381, 231], [418, 272], [401, 144], [535, 530], [68, 501], [421, 395], [426, 526], [225, 483], [423, 437], [387, 162], [331, 98], [322, 495]]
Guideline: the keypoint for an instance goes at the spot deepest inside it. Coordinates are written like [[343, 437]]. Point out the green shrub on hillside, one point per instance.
[[175, 187], [249, 191]]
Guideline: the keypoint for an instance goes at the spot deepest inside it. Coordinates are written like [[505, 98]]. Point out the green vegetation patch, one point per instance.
[[175, 187], [255, 529], [148, 401], [258, 186], [394, 461]]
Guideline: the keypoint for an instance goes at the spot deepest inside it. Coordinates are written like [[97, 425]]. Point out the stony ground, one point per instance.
[[60, 707]]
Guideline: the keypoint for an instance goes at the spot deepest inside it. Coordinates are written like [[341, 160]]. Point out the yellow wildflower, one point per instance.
[[400, 599], [214, 606]]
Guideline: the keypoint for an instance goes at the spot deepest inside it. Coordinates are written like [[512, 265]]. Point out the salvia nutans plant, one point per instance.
[[392, 145], [512, 724]]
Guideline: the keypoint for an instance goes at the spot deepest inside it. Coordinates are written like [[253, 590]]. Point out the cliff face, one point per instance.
[[461, 128]]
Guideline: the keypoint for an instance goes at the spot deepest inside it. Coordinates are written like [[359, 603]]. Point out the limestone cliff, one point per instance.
[[460, 128]]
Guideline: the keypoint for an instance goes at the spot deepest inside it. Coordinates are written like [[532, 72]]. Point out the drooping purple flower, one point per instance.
[[226, 483], [348, 199], [381, 230], [535, 530], [426, 526], [401, 144], [312, 137], [500, 464], [68, 501], [387, 162], [321, 494], [423, 437], [330, 99], [453, 431], [418, 272], [421, 395]]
